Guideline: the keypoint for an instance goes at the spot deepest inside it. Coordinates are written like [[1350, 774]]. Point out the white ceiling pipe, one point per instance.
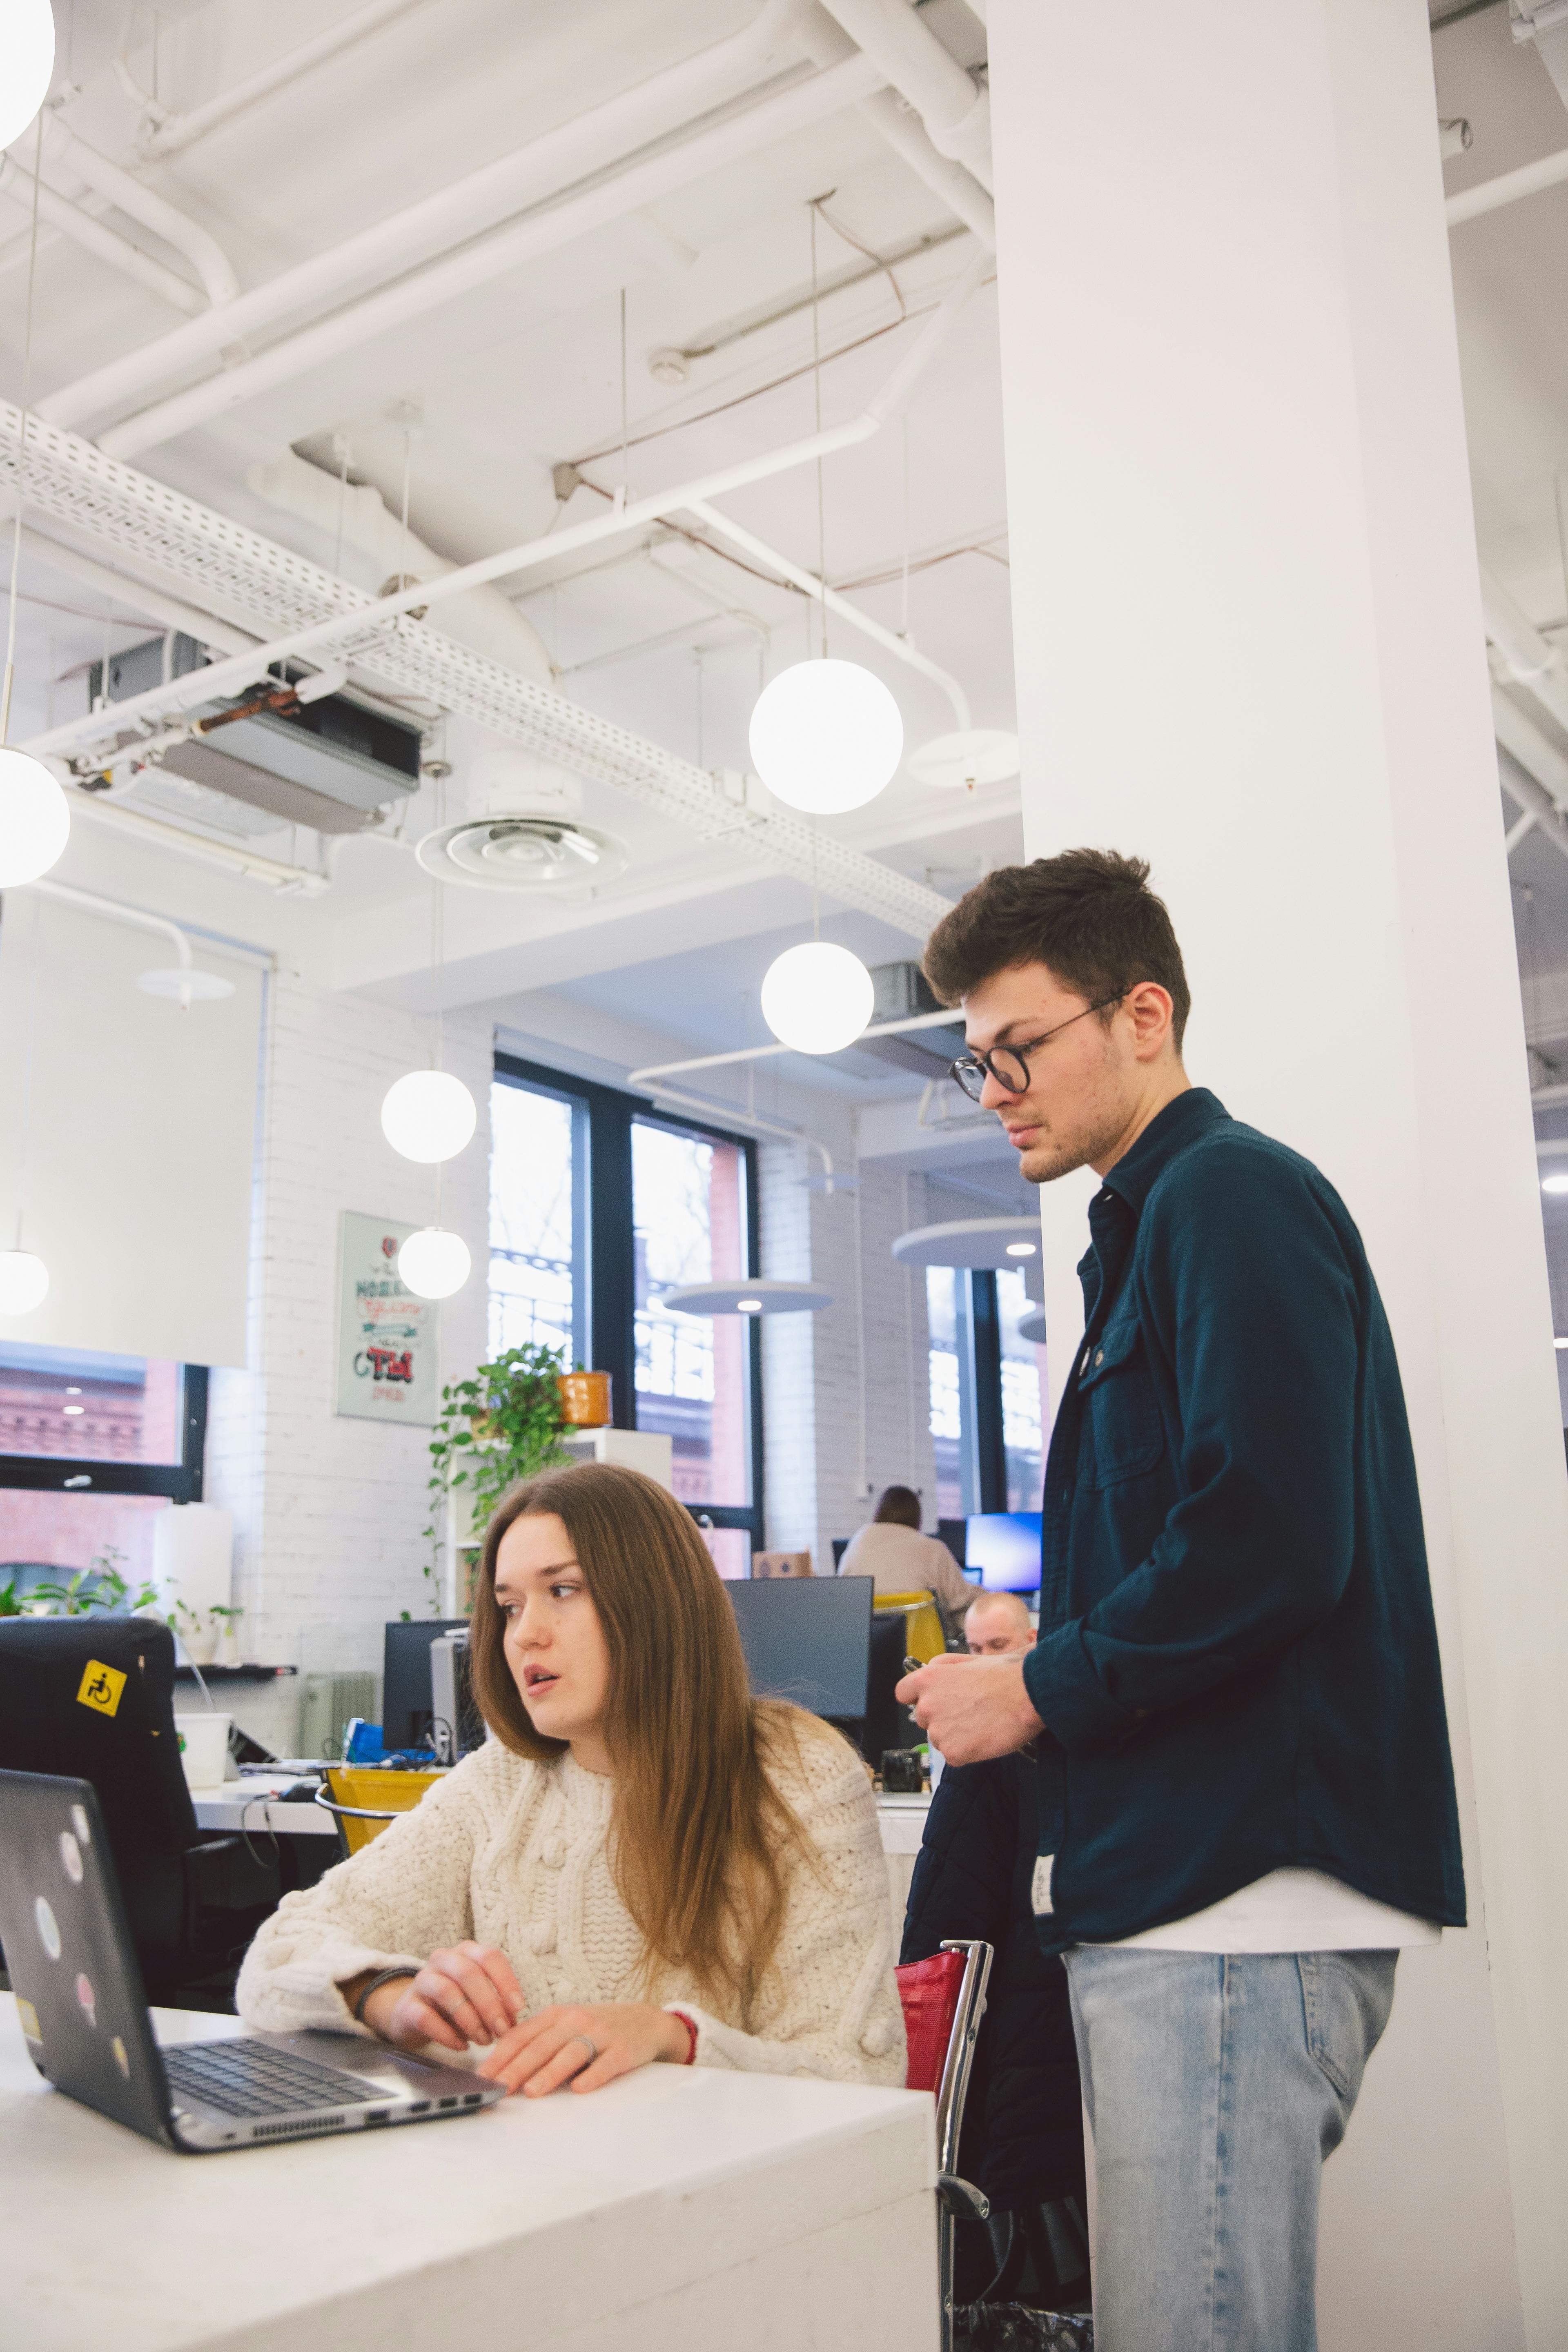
[[72, 897], [484, 618], [203, 251], [955, 112], [640, 1080], [590, 143], [546, 230], [1491, 195], [809, 582], [358, 620], [1517, 829], [899, 127], [288, 881], [174, 131], [95, 237], [960, 190], [1531, 661]]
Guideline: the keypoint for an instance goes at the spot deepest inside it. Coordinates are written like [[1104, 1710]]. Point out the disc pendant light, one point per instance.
[[826, 737], [816, 998]]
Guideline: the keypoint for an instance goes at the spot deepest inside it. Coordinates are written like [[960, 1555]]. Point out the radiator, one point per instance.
[[330, 1703]]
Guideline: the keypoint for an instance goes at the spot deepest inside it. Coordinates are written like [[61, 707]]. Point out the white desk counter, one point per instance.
[[247, 1804], [678, 2211]]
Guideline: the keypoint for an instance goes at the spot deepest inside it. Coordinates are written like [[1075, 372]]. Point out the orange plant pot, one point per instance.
[[584, 1400]]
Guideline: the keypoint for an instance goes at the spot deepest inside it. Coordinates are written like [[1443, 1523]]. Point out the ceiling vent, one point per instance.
[[903, 990], [522, 831], [522, 853]]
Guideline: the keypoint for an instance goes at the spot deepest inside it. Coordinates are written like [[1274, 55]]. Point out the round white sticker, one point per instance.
[[48, 1928], [71, 1854]]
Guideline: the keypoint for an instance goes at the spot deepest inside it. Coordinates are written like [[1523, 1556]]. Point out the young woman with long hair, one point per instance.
[[641, 1863]]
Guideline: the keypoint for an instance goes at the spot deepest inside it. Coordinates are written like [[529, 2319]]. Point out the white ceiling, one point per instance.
[[482, 397]]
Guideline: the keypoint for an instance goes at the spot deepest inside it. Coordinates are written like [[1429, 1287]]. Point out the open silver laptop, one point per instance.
[[74, 1972]]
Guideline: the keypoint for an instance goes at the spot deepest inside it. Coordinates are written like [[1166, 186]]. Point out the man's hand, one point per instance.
[[585, 2046], [972, 1708]]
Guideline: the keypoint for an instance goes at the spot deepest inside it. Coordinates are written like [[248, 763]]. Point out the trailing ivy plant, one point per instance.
[[502, 1425]]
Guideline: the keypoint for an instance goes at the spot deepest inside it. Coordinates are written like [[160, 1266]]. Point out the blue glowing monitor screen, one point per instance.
[[1002, 1553]]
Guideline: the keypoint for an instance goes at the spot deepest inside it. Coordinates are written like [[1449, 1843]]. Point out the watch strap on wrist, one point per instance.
[[382, 1976]]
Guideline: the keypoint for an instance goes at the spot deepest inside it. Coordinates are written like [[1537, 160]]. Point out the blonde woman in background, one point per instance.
[[642, 1865]]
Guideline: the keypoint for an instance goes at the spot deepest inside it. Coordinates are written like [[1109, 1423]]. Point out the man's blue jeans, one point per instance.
[[1216, 2086]]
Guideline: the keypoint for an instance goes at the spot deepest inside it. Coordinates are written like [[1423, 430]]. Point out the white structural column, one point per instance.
[[1249, 645]]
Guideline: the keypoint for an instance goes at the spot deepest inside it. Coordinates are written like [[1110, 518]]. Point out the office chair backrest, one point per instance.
[[943, 2000], [91, 1698]]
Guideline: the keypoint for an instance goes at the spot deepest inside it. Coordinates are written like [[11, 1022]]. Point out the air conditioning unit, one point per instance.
[[332, 765], [903, 990]]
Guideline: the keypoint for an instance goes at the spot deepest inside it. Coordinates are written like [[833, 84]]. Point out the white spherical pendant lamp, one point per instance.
[[826, 737], [35, 818], [27, 63], [23, 1282], [816, 998], [428, 1116], [434, 1262]]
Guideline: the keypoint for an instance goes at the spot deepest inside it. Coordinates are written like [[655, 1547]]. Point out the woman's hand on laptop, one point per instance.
[[586, 2046], [467, 1995]]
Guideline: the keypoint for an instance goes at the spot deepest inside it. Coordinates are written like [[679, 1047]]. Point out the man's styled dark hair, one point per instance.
[[1088, 916]]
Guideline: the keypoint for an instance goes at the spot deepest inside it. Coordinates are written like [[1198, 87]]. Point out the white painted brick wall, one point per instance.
[[328, 1510]]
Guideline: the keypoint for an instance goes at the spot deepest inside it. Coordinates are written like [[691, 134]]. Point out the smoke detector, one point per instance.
[[523, 852]]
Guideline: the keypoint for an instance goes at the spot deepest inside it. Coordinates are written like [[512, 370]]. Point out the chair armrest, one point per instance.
[[961, 2198]]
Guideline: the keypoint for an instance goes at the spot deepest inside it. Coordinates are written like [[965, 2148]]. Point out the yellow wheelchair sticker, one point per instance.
[[100, 1687], [29, 2017]]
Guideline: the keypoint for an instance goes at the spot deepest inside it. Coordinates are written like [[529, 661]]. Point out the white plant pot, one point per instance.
[[200, 1644]]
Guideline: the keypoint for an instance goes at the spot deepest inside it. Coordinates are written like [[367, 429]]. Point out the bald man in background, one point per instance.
[[998, 1624]]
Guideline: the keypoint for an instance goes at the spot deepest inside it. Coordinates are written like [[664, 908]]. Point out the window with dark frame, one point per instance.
[[600, 1205], [93, 1448]]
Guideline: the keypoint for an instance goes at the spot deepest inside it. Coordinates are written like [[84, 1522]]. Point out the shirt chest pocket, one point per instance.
[[1122, 1415]]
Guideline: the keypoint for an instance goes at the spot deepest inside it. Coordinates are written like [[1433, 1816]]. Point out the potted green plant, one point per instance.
[[101, 1587], [502, 1426]]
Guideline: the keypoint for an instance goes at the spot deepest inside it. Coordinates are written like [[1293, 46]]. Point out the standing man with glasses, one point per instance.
[[1246, 1798]]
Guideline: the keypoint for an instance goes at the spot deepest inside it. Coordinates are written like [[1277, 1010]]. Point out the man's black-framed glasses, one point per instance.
[[1009, 1065]]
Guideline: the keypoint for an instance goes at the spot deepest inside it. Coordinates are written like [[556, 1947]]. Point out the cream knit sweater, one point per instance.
[[513, 1855]]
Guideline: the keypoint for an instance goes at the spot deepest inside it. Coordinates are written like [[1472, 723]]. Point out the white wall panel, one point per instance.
[[137, 1131]]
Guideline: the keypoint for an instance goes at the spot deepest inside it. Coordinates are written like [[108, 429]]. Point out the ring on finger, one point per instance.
[[590, 2045]]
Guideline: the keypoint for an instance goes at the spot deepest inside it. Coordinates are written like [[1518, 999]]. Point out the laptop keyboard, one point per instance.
[[251, 2078]]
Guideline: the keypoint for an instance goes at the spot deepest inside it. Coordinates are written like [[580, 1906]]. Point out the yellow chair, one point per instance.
[[363, 1799], [923, 1635]]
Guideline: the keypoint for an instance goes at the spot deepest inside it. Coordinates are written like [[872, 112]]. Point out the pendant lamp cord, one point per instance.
[[26, 1118], [817, 389], [22, 451]]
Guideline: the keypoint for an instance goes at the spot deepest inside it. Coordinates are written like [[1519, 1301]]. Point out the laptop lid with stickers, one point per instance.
[[69, 1955]]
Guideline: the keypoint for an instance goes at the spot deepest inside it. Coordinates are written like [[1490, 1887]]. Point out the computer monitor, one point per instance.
[[405, 1701], [954, 1533], [1002, 1550], [808, 1639]]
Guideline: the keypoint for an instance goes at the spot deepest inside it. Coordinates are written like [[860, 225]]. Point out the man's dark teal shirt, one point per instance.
[[1237, 1663]]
